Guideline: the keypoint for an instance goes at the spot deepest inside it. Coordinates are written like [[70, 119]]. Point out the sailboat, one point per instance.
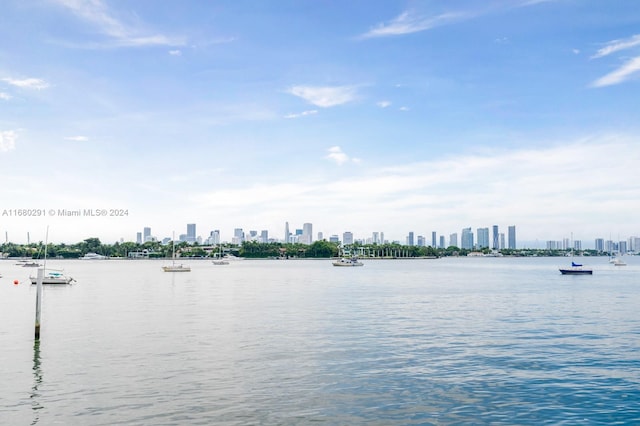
[[51, 276], [220, 260], [173, 267], [575, 268]]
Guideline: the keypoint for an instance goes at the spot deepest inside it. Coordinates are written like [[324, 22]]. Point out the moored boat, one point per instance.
[[53, 277], [576, 269], [347, 262]]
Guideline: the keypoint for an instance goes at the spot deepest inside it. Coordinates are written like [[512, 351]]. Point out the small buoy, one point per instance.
[[16, 282]]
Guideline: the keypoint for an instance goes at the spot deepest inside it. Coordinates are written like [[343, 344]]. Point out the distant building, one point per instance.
[[320, 236], [286, 232], [512, 237], [577, 245], [483, 238], [421, 241], [264, 236], [622, 247], [238, 236], [307, 233], [139, 237], [453, 240], [496, 241], [146, 234], [347, 238], [334, 239], [467, 239], [599, 245], [502, 240], [442, 242], [191, 233], [410, 239]]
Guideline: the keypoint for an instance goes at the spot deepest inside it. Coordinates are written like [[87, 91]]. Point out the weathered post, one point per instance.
[[38, 301]]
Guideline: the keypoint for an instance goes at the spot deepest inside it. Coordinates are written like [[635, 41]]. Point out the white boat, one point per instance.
[[173, 267], [53, 277], [232, 257], [617, 262], [220, 260], [93, 256], [348, 262], [30, 264]]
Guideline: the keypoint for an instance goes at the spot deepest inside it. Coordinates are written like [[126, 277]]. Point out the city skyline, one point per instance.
[[389, 117]]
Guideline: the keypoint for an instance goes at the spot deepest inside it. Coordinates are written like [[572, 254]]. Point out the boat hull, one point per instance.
[[576, 271], [176, 269]]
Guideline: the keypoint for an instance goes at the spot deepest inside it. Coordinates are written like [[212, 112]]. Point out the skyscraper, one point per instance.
[[512, 237], [191, 232], [496, 238], [286, 232], [467, 239], [483, 237], [410, 239], [307, 233], [453, 240], [146, 234], [347, 238], [433, 239]]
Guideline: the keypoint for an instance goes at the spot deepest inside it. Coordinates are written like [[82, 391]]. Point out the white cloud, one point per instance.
[[404, 108], [617, 45], [383, 104], [175, 52], [576, 51], [302, 114], [77, 138], [7, 140], [337, 155], [27, 83], [410, 22], [625, 72], [326, 96], [5, 96], [101, 17]]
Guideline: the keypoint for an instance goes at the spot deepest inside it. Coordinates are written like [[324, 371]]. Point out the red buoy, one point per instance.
[[16, 282]]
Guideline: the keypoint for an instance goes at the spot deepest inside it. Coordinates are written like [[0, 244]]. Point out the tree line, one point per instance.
[[254, 250]]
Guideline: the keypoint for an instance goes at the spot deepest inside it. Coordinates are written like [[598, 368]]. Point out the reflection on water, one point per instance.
[[37, 381]]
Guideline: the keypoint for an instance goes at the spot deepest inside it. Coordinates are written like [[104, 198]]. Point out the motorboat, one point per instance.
[[353, 261], [53, 277], [93, 256]]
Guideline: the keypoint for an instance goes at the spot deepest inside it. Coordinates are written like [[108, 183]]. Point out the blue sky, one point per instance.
[[355, 116]]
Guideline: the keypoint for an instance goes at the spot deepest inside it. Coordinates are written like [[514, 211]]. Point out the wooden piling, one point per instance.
[[38, 301]]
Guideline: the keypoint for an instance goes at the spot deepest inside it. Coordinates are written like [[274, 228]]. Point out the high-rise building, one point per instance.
[[442, 242], [433, 239], [347, 238], [375, 239], [307, 233], [191, 232], [146, 234], [453, 240], [496, 241], [421, 241], [483, 237], [264, 236], [467, 239], [139, 237], [622, 247], [410, 239], [577, 245], [286, 232], [334, 239], [238, 236], [512, 237], [502, 240], [599, 244]]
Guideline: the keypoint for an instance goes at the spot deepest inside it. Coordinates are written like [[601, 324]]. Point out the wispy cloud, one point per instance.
[[383, 104], [625, 72], [27, 83], [617, 45], [5, 96], [340, 157], [302, 114], [411, 22], [326, 96], [8, 140], [175, 52], [122, 34], [77, 138]]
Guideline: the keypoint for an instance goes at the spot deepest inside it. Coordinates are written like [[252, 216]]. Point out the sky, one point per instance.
[[361, 116]]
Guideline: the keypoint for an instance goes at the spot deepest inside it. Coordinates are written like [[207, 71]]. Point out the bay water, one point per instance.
[[294, 342]]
